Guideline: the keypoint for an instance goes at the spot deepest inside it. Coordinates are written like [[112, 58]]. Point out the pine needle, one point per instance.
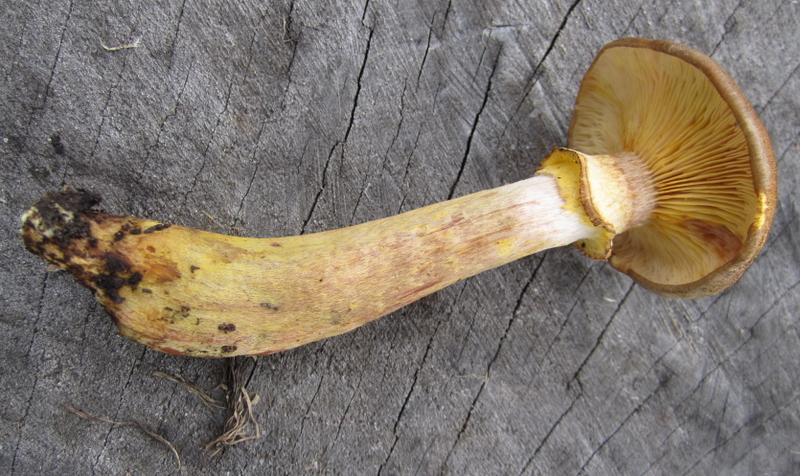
[[203, 395], [135, 423]]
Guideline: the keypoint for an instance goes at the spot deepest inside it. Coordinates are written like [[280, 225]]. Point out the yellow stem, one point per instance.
[[190, 292]]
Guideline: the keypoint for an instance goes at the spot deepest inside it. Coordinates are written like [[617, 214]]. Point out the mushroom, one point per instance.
[[669, 176]]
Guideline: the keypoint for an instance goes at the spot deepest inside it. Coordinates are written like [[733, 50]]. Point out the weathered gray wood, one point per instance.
[[276, 118]]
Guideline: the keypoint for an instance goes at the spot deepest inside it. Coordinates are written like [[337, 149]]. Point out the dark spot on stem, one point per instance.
[[148, 291], [158, 227], [61, 213], [227, 349], [172, 315], [269, 306], [134, 279], [193, 268], [115, 263], [110, 285], [227, 327], [136, 231]]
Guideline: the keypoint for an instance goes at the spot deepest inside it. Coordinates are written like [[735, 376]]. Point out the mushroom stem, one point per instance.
[[190, 292]]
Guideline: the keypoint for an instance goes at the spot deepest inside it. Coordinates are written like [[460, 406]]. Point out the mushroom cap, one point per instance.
[[708, 155]]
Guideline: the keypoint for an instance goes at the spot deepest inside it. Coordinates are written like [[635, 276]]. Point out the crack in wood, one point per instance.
[[350, 122], [547, 435], [491, 362], [602, 334], [32, 394], [178, 22], [407, 398], [534, 76], [474, 126], [608, 438], [728, 25], [56, 58]]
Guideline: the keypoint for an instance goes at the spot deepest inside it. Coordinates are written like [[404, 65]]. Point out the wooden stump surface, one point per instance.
[[287, 117]]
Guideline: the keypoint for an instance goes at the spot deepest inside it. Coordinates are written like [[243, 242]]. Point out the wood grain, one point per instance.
[[287, 117]]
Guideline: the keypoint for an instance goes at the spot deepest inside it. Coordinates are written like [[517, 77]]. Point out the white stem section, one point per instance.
[[544, 213]]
